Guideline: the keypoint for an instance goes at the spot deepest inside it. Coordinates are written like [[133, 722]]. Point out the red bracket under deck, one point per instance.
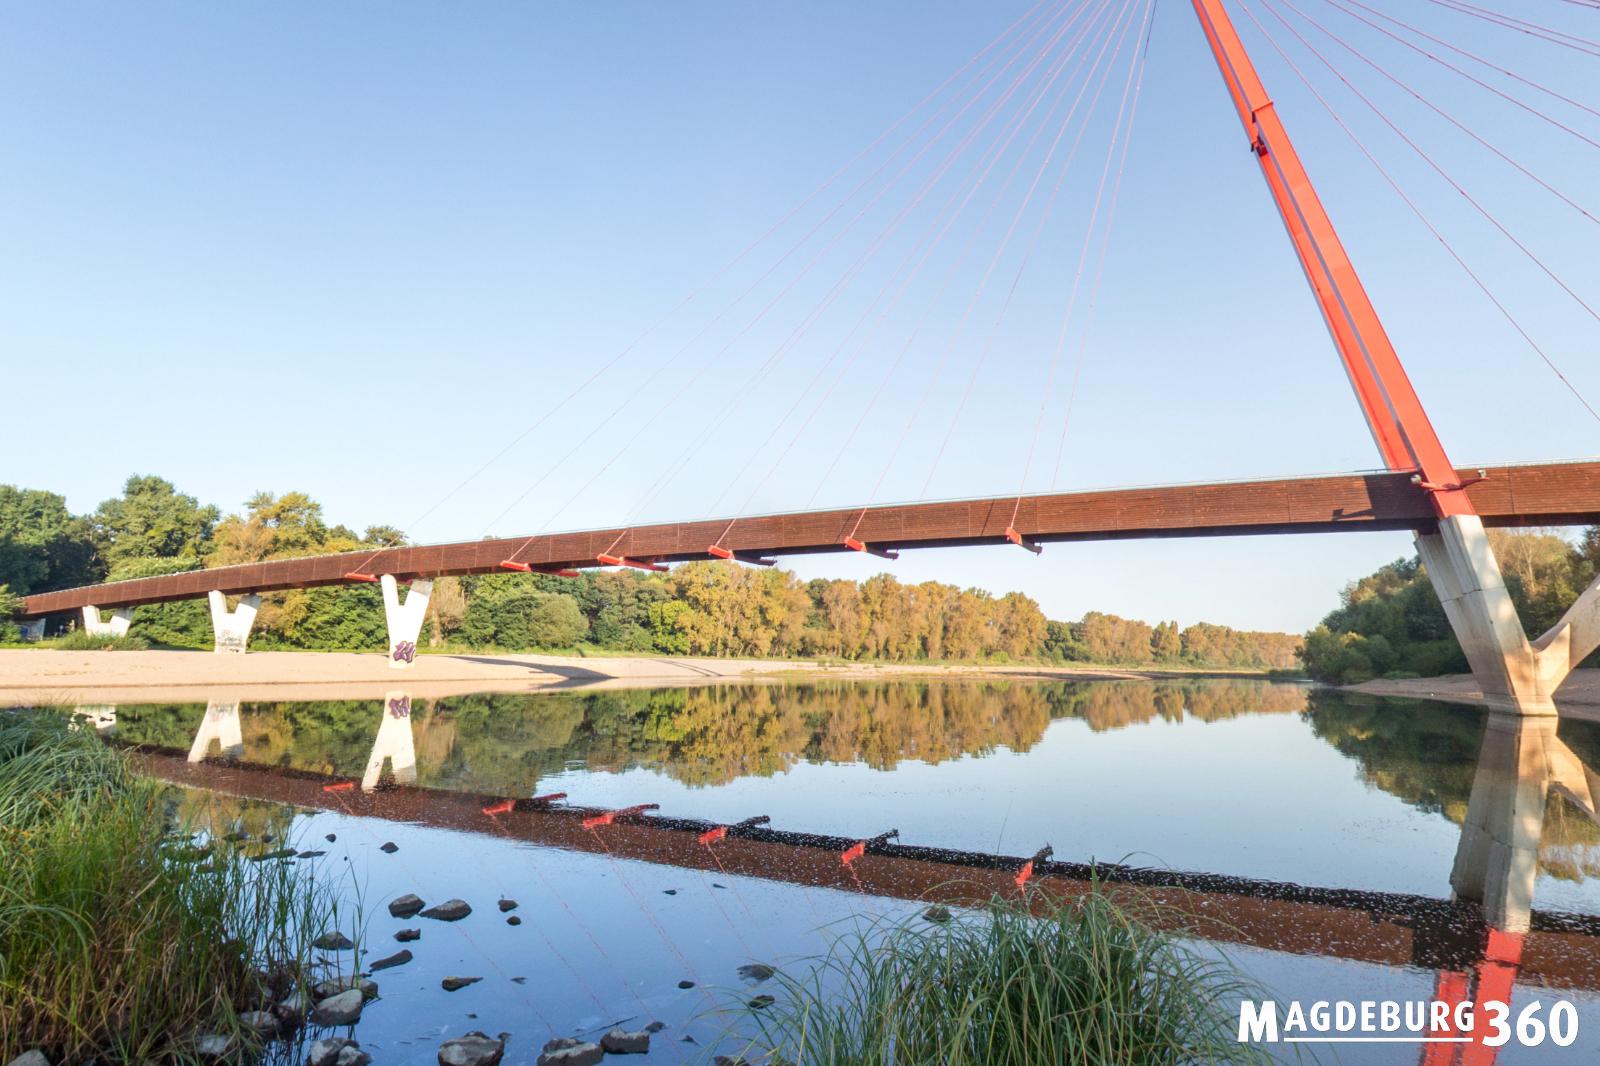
[[1023, 542], [857, 546], [637, 564], [353, 576]]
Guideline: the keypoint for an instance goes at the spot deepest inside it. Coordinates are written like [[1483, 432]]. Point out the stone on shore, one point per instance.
[[262, 1022], [406, 905], [342, 1009], [618, 1042], [451, 910], [474, 1049], [216, 1046], [570, 1051], [30, 1058]]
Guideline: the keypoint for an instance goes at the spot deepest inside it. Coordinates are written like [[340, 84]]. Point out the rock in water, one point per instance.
[[388, 847], [761, 1002], [406, 905], [326, 1052], [756, 972], [570, 1051], [513, 920], [617, 1042], [405, 936], [451, 910], [655, 1027], [331, 837], [262, 1022], [450, 984], [342, 1009], [399, 958], [685, 984], [334, 985], [474, 1049], [352, 1056], [30, 1058], [936, 914], [215, 1046], [508, 905], [333, 940]]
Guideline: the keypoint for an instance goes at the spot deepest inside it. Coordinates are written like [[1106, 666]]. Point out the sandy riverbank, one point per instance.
[[38, 676], [1582, 690]]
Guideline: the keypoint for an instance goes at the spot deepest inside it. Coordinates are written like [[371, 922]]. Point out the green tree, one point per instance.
[[1165, 644], [152, 520], [42, 546]]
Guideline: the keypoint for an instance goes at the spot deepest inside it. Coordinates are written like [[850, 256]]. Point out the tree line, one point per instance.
[[698, 608], [1390, 623]]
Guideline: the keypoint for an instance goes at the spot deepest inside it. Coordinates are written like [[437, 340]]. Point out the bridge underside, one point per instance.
[[1537, 494]]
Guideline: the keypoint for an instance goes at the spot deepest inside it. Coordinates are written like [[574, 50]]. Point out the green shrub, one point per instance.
[[80, 640]]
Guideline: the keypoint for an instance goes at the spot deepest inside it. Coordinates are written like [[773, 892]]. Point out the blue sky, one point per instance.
[[356, 249]]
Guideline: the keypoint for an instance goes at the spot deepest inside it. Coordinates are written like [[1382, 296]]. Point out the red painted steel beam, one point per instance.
[[1400, 427], [1539, 494]]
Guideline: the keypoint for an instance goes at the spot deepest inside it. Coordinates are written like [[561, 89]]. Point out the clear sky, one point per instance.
[[359, 249]]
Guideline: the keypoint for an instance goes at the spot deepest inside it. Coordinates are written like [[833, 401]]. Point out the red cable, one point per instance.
[[994, 329], [1478, 58], [1510, 22], [1094, 287], [1425, 156], [1557, 193], [838, 286], [1393, 184]]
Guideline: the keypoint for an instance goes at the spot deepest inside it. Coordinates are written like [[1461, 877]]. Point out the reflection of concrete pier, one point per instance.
[[101, 717], [394, 744], [220, 726]]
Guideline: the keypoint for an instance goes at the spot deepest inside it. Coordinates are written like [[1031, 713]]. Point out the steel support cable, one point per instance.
[[1437, 168], [916, 332], [909, 270], [1495, 89], [1005, 308], [1409, 202], [1109, 34], [748, 249], [805, 270], [1532, 29], [1094, 285], [1475, 57], [922, 399], [1442, 113], [949, 347], [996, 152], [833, 293]]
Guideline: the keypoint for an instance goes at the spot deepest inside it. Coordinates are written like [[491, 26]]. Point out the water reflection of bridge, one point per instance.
[[1478, 943]]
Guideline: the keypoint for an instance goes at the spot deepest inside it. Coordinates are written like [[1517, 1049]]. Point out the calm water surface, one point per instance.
[[1323, 829]]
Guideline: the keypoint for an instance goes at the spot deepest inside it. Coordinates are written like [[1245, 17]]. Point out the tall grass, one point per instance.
[[121, 934], [1015, 983]]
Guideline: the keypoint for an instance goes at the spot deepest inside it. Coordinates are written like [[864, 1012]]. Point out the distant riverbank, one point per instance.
[[80, 677]]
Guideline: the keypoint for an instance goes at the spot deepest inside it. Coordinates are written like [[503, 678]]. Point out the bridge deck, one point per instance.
[[1564, 493]]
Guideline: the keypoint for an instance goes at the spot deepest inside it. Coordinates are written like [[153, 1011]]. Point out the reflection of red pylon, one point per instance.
[[859, 848], [1490, 980], [720, 832], [506, 806], [339, 786]]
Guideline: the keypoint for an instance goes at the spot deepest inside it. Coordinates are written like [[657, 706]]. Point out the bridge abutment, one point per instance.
[[230, 630], [1516, 675], [115, 626], [404, 618]]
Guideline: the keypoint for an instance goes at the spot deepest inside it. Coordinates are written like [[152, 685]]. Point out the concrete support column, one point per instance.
[[394, 744], [404, 619], [32, 629], [115, 626], [1515, 675], [230, 630], [220, 726]]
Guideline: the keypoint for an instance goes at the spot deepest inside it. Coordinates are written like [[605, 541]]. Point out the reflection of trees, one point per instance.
[[1426, 753], [503, 744]]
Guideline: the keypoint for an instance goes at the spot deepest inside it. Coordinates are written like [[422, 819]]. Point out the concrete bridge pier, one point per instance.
[[394, 744], [115, 626], [230, 630], [404, 619], [1517, 676], [220, 726]]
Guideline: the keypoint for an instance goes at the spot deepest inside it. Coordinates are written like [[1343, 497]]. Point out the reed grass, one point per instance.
[[1014, 983], [122, 934]]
